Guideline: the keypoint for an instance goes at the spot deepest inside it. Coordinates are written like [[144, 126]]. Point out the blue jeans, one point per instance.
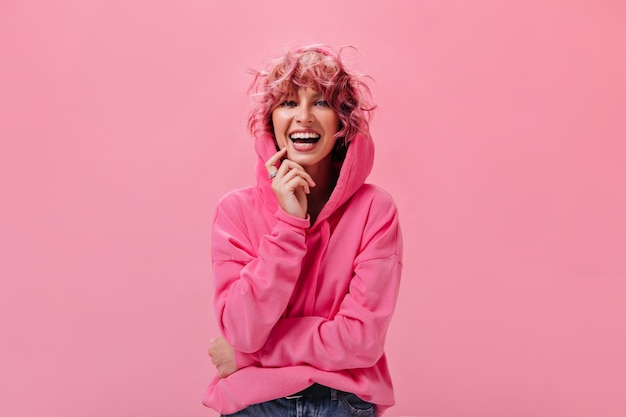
[[339, 404]]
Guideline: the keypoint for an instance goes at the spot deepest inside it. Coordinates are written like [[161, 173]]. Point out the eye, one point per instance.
[[322, 103], [288, 103]]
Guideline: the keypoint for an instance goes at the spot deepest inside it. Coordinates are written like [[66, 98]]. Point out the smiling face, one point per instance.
[[307, 126]]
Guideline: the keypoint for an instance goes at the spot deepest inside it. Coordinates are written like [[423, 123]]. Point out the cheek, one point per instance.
[[279, 131], [278, 121], [334, 124], [280, 141]]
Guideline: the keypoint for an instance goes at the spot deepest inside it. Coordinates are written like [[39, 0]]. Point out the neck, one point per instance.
[[325, 181]]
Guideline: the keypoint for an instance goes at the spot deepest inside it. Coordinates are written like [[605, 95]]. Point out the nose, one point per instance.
[[304, 115]]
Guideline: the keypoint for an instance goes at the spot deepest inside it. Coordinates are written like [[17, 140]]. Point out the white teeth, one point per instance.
[[304, 135], [303, 145]]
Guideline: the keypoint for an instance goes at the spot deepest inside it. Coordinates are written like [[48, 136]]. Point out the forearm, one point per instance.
[[354, 338], [252, 288]]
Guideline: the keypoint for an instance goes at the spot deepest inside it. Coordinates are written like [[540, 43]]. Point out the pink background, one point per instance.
[[500, 133]]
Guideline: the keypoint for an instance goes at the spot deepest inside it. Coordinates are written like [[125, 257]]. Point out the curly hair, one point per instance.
[[323, 70]]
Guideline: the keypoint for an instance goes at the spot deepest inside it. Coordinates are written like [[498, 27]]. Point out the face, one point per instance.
[[306, 125]]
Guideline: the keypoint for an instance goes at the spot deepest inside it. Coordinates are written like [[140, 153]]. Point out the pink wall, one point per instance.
[[500, 133]]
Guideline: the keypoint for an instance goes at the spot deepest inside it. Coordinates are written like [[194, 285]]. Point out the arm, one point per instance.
[[355, 337], [253, 286]]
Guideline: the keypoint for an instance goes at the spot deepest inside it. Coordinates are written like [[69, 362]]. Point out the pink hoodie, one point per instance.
[[306, 303]]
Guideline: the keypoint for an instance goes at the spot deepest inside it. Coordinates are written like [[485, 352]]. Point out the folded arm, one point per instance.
[[253, 286], [355, 336]]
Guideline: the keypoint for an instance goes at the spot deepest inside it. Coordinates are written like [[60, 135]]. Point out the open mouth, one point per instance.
[[304, 141], [304, 137]]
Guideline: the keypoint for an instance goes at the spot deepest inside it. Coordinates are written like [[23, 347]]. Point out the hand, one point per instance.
[[291, 184], [223, 357]]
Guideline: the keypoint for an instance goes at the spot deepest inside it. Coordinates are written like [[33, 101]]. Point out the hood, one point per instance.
[[353, 171]]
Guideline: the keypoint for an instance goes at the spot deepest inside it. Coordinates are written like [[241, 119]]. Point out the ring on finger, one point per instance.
[[272, 175]]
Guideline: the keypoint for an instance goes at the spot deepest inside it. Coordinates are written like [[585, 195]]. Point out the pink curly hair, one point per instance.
[[322, 69]]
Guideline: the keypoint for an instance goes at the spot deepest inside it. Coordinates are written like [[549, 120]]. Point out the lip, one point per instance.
[[303, 146]]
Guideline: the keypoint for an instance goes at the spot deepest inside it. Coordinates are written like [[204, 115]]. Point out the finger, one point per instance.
[[293, 166], [282, 169], [302, 172], [292, 180], [270, 164], [298, 183], [282, 176]]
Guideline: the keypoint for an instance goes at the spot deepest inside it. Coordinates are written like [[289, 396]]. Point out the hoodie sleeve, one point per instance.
[[253, 285], [355, 337]]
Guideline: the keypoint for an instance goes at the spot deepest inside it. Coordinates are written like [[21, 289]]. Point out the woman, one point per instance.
[[307, 263]]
